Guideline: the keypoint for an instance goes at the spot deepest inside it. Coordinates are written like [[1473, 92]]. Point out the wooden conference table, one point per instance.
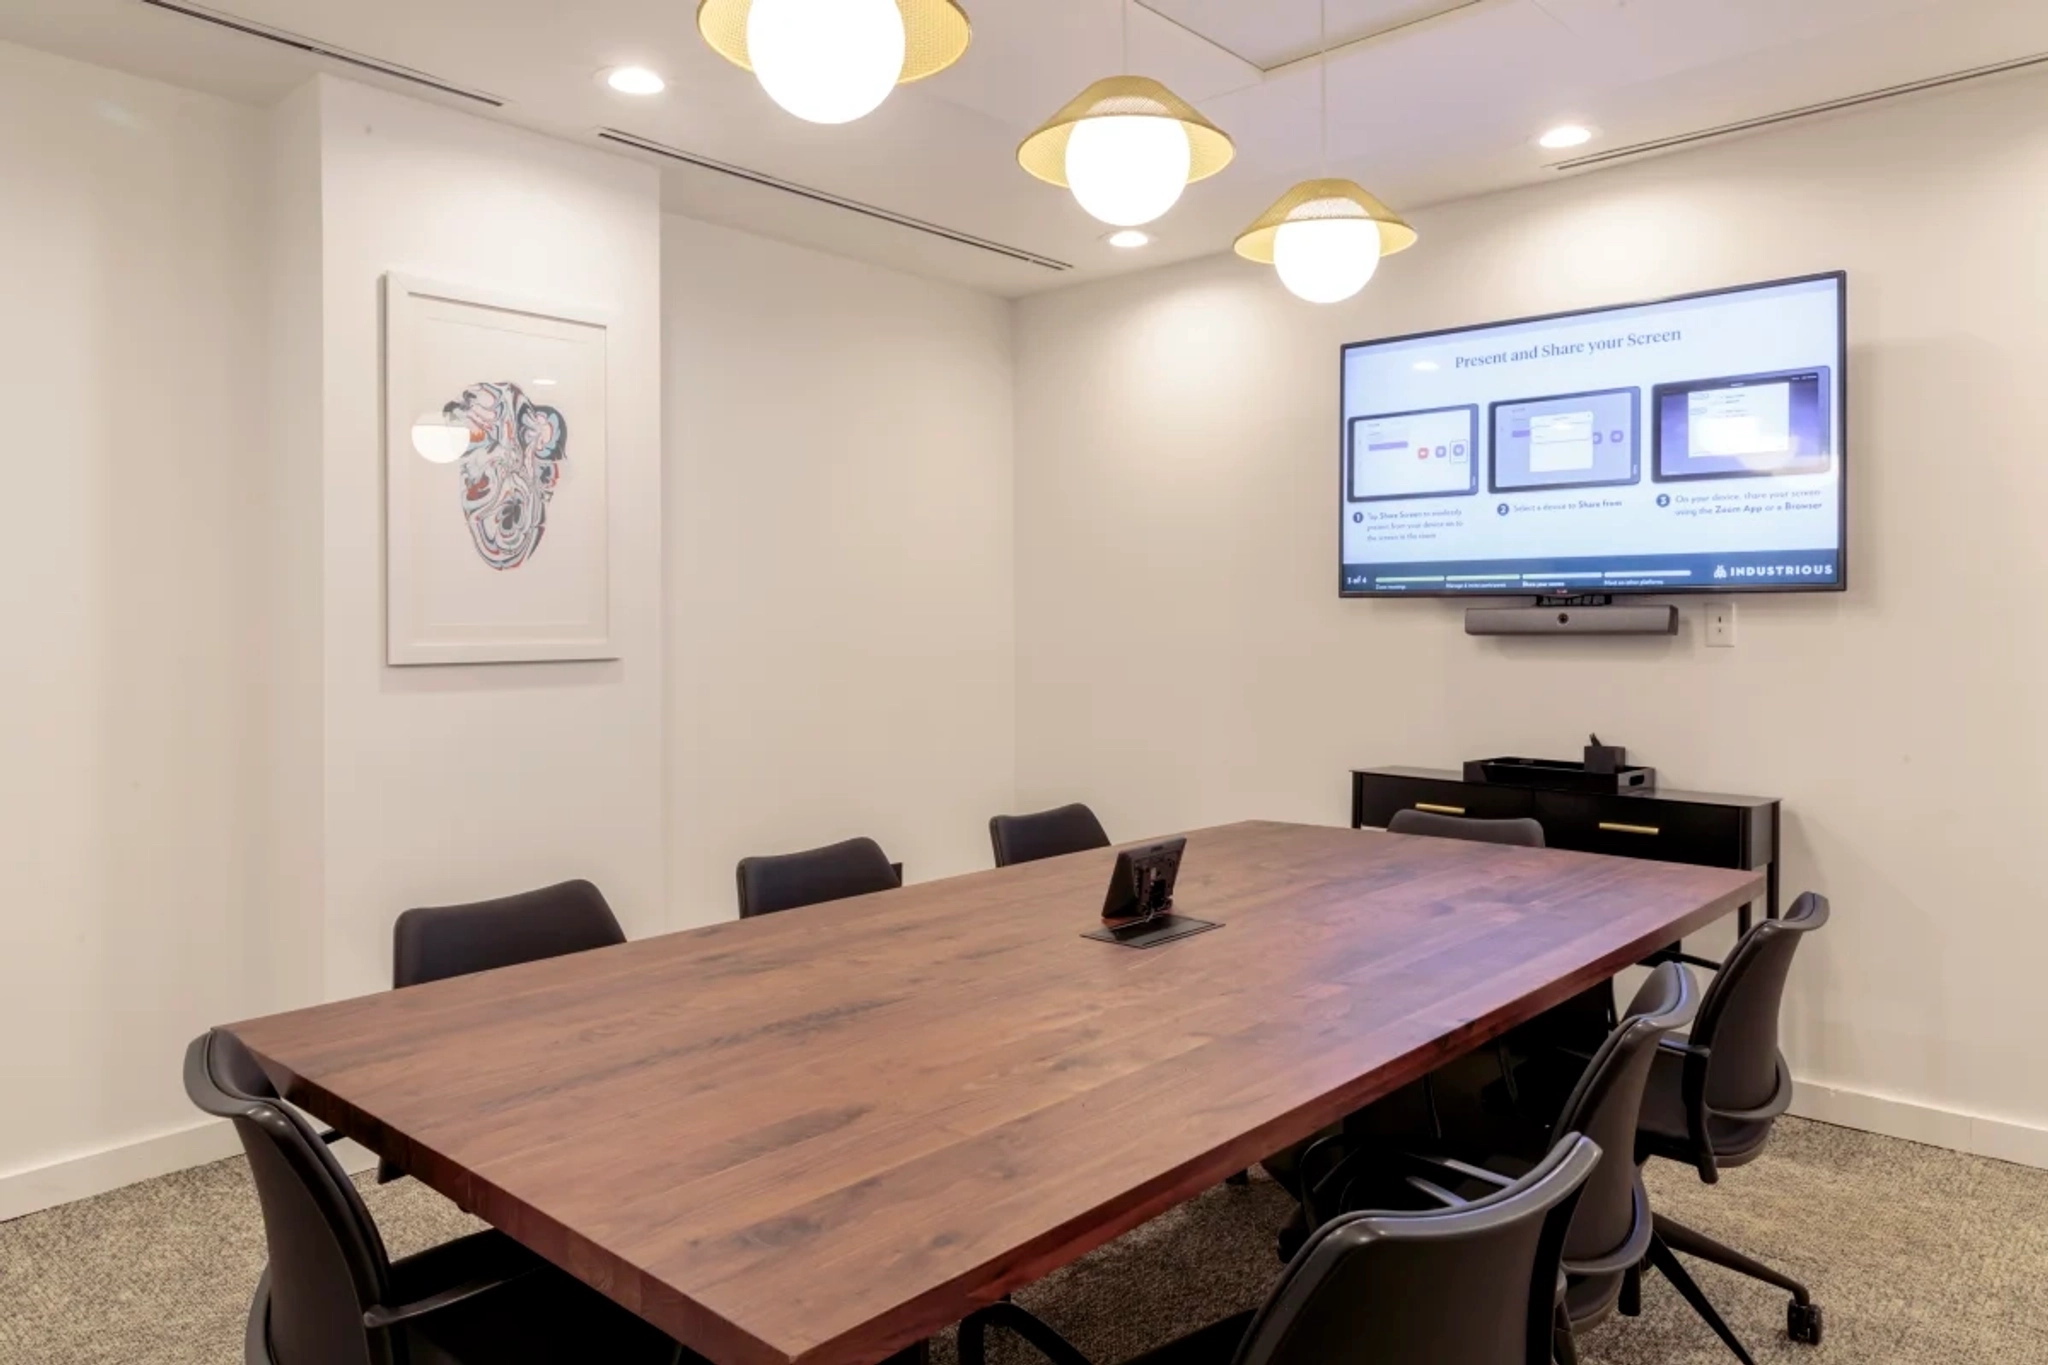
[[823, 1135]]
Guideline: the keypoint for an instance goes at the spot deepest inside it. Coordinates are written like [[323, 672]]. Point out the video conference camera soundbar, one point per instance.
[[1591, 618]]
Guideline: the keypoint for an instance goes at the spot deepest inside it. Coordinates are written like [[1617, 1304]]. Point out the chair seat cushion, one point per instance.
[[1663, 1130], [543, 1316], [1211, 1345]]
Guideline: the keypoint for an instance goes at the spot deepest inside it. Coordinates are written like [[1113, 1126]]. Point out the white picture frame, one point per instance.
[[498, 536]]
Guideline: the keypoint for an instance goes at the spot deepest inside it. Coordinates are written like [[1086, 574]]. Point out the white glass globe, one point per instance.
[[827, 61], [1127, 169], [441, 440], [1327, 260]]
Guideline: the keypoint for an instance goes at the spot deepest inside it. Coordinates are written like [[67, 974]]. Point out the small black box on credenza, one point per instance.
[[1556, 775]]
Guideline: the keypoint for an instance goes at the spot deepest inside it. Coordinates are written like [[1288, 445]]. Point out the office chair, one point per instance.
[[1611, 1229], [1475, 1285], [1046, 834], [1522, 833], [1713, 1099], [857, 867], [1580, 1023], [435, 942], [332, 1296]]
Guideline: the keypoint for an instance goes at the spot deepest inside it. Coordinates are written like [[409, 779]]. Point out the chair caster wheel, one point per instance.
[[1803, 1322]]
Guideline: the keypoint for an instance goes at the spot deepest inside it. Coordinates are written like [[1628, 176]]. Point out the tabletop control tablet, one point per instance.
[[1576, 440], [1751, 426], [1429, 454]]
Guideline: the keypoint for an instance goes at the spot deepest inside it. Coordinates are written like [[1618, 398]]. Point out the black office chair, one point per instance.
[[1580, 1023], [1712, 1101], [1611, 1230], [1523, 833], [1046, 834], [435, 942], [332, 1296], [1475, 1285], [440, 941], [857, 867]]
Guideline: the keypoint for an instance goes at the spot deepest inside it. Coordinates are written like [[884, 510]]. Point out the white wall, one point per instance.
[[1176, 433], [454, 783], [131, 376], [839, 561]]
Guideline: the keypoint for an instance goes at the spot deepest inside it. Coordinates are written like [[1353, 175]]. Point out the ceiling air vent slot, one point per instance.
[[300, 43], [1665, 144], [762, 178]]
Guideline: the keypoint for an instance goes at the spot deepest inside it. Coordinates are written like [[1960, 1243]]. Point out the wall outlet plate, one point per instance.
[[1720, 625]]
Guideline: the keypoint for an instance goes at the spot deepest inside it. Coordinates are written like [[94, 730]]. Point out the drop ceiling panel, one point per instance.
[[1273, 33]]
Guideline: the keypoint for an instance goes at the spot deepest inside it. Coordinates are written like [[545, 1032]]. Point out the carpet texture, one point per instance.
[[1918, 1255]]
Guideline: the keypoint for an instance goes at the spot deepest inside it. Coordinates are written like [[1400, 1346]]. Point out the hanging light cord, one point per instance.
[[1323, 79]]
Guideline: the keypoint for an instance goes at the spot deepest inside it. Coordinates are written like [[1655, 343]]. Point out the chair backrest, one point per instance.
[[1476, 1284], [327, 1262], [1607, 1105], [1738, 1020], [1045, 834], [440, 941], [1522, 833], [857, 867]]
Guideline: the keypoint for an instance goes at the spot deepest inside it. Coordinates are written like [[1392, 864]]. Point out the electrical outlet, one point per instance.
[[1721, 625]]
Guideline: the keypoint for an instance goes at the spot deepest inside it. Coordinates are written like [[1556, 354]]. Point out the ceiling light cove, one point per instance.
[[833, 61], [635, 80], [1565, 135]]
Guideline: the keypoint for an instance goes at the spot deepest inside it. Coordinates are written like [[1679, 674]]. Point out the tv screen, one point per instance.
[[1689, 445]]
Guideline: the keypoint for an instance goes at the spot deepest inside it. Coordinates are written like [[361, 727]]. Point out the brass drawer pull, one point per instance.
[[1612, 828], [1439, 810]]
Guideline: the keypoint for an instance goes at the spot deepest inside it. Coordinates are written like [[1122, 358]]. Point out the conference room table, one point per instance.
[[823, 1135]]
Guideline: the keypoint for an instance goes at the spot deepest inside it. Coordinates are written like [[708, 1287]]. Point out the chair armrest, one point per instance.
[[382, 1316], [1049, 1342], [1436, 1192], [1463, 1168]]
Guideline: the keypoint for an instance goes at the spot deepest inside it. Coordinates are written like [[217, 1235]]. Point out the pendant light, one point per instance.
[[1325, 236], [1126, 146], [833, 61]]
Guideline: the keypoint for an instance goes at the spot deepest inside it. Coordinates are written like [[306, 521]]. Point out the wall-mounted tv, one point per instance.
[[1694, 444]]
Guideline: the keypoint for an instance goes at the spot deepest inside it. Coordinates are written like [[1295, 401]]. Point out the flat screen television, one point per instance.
[[1694, 444]]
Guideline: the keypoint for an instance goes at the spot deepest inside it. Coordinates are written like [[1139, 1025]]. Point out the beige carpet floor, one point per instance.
[[1920, 1257]]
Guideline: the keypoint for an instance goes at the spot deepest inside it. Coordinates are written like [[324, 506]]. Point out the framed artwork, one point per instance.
[[497, 482]]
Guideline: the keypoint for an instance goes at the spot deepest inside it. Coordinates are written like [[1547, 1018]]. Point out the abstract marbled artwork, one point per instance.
[[510, 471]]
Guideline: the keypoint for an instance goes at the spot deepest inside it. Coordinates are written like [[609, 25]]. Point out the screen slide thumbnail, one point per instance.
[[1751, 426], [1429, 454], [1575, 440]]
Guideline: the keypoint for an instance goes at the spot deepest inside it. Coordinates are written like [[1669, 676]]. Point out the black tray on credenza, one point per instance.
[[1555, 775]]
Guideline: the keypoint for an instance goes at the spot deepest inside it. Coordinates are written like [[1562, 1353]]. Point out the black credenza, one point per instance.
[[1702, 828]]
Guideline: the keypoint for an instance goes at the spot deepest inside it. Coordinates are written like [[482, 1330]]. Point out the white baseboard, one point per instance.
[[91, 1173], [81, 1177], [2003, 1139]]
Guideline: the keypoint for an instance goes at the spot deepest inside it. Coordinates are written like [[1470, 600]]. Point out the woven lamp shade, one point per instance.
[[1315, 199], [935, 34], [1044, 153]]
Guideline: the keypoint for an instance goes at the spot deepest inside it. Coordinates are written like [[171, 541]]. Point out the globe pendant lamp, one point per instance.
[[1325, 236], [833, 61], [1126, 146]]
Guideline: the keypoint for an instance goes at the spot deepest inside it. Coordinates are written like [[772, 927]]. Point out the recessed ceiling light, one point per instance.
[[1566, 135], [1129, 239], [635, 80]]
